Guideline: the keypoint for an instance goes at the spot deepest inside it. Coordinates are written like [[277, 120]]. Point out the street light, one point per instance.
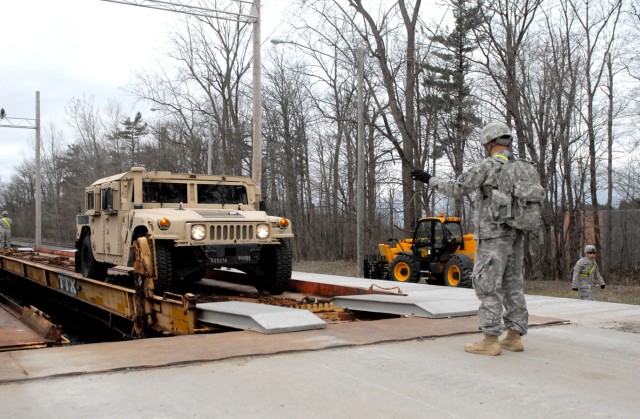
[[360, 169]]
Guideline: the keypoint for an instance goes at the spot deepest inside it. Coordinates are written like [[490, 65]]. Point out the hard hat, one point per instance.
[[589, 248], [494, 130], [5, 213]]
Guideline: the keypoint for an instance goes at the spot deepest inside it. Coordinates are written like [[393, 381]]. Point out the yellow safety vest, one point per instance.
[[590, 270]]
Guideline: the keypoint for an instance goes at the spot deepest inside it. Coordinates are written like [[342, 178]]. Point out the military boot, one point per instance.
[[488, 346], [512, 342]]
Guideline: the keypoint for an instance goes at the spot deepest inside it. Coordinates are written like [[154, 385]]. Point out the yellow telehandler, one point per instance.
[[438, 252]]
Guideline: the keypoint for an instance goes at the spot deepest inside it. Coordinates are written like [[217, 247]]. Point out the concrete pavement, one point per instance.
[[394, 368]]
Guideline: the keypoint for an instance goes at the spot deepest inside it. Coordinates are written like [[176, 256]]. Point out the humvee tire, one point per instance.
[[91, 268], [164, 261], [275, 269]]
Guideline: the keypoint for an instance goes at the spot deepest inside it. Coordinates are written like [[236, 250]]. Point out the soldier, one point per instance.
[[497, 272], [5, 230], [585, 272]]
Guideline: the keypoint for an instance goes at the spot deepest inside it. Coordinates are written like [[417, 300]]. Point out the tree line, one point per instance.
[[563, 74]]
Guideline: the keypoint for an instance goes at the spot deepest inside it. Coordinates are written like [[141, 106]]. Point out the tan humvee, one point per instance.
[[196, 222]]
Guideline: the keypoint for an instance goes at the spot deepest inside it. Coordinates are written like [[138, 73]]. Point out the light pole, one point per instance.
[[210, 147], [256, 161], [360, 208]]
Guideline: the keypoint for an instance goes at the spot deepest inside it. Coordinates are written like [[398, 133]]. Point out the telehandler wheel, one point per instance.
[[404, 268], [457, 272]]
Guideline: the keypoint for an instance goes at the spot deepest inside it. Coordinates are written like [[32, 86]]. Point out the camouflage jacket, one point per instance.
[[5, 224], [586, 269], [481, 178]]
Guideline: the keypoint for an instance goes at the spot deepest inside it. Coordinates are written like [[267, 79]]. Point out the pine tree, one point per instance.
[[448, 90], [131, 134]]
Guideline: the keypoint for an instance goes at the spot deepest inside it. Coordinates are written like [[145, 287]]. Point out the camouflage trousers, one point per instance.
[[499, 284], [584, 286], [5, 238]]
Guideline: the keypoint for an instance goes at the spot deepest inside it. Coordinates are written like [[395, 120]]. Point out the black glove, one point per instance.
[[574, 289], [420, 175], [602, 286]]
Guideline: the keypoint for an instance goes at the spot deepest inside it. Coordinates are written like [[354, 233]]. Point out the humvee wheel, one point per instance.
[[457, 272], [404, 269], [90, 267], [163, 259], [276, 268]]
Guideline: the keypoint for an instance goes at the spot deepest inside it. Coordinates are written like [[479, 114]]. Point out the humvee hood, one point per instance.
[[203, 214]]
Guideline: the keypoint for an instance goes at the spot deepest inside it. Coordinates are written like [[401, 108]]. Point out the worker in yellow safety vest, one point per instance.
[[585, 272], [5, 230]]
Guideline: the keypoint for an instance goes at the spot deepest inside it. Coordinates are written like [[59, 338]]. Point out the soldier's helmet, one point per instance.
[[589, 248], [496, 130], [5, 214]]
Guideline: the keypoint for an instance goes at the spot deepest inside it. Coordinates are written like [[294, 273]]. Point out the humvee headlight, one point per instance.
[[262, 231], [164, 223], [284, 223], [198, 232]]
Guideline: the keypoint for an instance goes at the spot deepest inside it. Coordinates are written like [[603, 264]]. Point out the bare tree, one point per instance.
[[598, 22], [212, 59], [376, 36], [89, 147]]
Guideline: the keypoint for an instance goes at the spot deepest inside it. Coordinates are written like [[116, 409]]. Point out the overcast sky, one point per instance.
[[69, 48]]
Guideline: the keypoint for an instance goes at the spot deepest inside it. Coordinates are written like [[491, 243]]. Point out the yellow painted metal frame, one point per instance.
[[175, 314]]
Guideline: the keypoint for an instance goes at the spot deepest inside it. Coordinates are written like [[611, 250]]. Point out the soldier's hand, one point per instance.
[[420, 175], [574, 289], [602, 286]]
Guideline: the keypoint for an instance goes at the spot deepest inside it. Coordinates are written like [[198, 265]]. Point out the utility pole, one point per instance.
[[31, 123], [360, 178], [38, 177]]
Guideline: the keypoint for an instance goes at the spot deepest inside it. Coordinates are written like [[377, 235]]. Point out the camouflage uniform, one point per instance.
[[585, 272], [5, 231], [497, 272]]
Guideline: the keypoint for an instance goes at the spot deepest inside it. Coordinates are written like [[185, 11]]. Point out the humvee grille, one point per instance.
[[222, 232]]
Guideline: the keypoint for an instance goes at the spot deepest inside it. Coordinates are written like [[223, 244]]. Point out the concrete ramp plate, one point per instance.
[[423, 306], [262, 318]]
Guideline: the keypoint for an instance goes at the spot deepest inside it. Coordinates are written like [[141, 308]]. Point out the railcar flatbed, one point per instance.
[[169, 313]]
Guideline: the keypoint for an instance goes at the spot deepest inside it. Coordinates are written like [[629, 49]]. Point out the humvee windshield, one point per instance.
[[164, 192], [222, 194], [207, 193]]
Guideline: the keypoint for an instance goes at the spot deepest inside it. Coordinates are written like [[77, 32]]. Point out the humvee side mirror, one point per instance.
[[262, 206]]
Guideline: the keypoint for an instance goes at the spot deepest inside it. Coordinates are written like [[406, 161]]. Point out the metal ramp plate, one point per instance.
[[434, 308], [262, 318]]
